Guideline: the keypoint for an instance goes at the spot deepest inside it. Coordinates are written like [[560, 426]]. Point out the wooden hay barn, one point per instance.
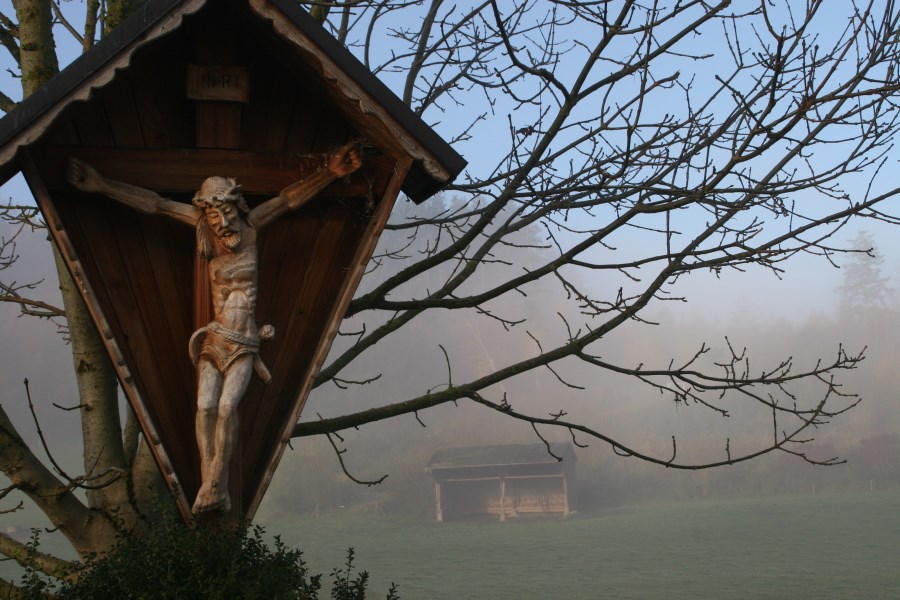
[[507, 481]]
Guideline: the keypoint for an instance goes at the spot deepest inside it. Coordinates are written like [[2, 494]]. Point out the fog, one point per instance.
[[799, 315], [796, 316], [35, 349]]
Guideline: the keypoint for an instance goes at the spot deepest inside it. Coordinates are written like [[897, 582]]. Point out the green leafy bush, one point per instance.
[[173, 561]]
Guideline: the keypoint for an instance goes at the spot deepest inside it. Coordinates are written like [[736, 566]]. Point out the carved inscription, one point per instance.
[[225, 84]]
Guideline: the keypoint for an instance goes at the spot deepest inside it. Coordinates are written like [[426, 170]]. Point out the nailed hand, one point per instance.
[[83, 176], [345, 160]]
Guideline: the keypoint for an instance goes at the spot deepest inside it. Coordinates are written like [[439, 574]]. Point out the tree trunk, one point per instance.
[[117, 11], [114, 487], [37, 50], [104, 453], [86, 529]]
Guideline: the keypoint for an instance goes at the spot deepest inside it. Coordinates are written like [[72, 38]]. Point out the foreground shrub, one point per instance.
[[172, 561]]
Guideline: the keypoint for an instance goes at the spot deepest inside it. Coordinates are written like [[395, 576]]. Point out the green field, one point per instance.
[[835, 546], [825, 546]]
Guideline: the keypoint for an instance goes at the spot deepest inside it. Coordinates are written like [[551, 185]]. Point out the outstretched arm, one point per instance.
[[87, 179], [343, 162]]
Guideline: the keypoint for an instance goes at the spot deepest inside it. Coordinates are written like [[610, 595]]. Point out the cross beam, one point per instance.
[[182, 171]]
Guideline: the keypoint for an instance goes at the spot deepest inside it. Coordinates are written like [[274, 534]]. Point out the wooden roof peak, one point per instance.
[[435, 165]]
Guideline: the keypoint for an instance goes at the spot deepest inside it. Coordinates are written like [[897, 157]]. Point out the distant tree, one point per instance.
[[863, 286], [644, 142]]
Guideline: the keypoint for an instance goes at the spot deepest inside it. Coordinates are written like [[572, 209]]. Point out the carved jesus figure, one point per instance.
[[226, 351]]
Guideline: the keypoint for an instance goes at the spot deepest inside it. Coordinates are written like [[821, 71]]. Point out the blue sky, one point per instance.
[[807, 284]]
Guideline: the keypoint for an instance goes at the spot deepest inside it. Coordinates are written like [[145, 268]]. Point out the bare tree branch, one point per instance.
[[30, 557], [339, 452], [61, 19], [81, 526], [91, 15], [622, 148]]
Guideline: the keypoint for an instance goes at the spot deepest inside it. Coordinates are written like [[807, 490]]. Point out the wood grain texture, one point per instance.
[[218, 125], [183, 170], [151, 290], [356, 249]]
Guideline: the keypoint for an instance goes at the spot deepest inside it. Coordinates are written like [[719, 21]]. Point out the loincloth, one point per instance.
[[222, 346]]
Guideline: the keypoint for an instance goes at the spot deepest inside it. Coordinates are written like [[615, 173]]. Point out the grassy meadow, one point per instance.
[[824, 546]]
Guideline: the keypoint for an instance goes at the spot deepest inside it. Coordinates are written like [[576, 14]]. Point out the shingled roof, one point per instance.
[[436, 165], [499, 455]]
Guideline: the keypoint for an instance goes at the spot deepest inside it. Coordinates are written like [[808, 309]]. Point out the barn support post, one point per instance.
[[502, 498], [439, 513]]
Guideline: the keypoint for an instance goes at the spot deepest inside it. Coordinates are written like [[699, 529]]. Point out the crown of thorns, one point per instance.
[[216, 191]]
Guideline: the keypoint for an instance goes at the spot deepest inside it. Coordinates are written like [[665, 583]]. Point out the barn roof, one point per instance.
[[436, 163], [499, 455]]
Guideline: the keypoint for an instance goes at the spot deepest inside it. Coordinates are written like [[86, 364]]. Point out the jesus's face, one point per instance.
[[224, 220]]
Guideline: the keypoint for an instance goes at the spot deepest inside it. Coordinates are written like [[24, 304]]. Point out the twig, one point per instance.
[[73, 482], [339, 452]]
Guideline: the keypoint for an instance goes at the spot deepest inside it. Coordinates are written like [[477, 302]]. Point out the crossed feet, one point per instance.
[[211, 497]]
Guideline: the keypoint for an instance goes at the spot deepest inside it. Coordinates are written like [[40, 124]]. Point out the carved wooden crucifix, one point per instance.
[[226, 350]]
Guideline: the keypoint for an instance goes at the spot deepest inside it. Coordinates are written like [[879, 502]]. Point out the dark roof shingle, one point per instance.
[[507, 454]]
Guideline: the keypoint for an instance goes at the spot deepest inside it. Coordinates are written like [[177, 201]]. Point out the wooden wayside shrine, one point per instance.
[[250, 89]]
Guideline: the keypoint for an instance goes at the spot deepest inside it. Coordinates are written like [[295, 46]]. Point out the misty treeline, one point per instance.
[[858, 306], [617, 151]]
